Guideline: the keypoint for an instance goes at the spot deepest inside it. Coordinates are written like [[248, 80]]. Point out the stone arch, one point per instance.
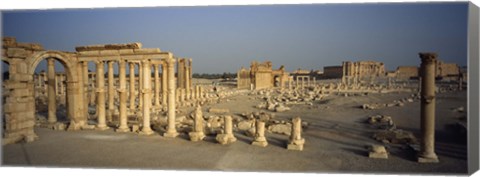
[[75, 108], [68, 63]]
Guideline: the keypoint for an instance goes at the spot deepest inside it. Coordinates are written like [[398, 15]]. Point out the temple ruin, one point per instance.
[[261, 76]]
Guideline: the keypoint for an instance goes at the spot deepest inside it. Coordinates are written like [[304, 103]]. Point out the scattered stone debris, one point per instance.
[[397, 136], [378, 152], [218, 110]]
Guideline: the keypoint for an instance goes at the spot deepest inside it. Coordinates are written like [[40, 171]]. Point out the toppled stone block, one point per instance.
[[378, 152], [397, 136], [281, 108], [59, 126], [245, 125], [218, 110], [285, 129]]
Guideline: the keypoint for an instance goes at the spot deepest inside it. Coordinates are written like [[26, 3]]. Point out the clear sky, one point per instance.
[[224, 38]]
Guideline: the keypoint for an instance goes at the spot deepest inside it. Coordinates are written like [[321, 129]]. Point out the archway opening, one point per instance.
[[50, 87]]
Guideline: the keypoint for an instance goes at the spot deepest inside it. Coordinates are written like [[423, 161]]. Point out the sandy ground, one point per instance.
[[336, 141]]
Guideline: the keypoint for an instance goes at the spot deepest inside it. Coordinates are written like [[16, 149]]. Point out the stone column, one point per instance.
[[52, 101], [157, 85], [147, 99], [427, 109], [197, 133], [182, 95], [260, 139], [181, 73], [164, 83], [101, 96], [187, 79], [111, 91], [177, 95], [296, 141], [87, 94], [171, 130], [123, 97], [343, 72], [140, 85], [226, 137], [132, 86]]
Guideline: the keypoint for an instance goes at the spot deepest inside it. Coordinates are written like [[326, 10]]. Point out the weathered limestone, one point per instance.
[[171, 130], [164, 84], [101, 97], [123, 97], [52, 101], [147, 99], [197, 134], [378, 152], [227, 136], [296, 141], [111, 92], [260, 139], [132, 85], [157, 85], [427, 108], [140, 85]]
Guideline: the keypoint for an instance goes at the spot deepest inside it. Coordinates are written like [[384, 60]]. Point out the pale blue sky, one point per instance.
[[224, 38]]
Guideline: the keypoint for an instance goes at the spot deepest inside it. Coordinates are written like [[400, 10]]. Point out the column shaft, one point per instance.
[[147, 99], [171, 130], [101, 96], [132, 86], [157, 85], [52, 101], [123, 97]]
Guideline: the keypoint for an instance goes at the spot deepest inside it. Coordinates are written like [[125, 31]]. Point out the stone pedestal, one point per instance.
[[197, 134], [260, 139], [427, 109], [171, 129], [296, 141], [227, 137]]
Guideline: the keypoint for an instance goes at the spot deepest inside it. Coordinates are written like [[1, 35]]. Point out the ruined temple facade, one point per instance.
[[355, 72], [146, 87], [261, 76]]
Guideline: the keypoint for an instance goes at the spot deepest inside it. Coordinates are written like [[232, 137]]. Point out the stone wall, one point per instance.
[[332, 71], [406, 72]]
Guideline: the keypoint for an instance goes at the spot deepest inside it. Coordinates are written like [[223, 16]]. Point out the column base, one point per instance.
[[170, 134], [146, 132], [122, 129], [295, 147], [433, 159], [260, 143], [102, 127], [196, 136], [224, 139]]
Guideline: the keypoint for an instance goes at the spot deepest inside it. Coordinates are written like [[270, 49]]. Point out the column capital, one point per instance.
[[170, 61], [428, 57]]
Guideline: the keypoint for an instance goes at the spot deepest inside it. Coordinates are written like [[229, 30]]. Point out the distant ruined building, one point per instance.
[[261, 76], [443, 71]]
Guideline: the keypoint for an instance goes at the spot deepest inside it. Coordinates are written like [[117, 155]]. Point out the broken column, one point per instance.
[[260, 139], [123, 97], [52, 101], [101, 97], [197, 134], [171, 130], [296, 141], [227, 136], [147, 99], [427, 109]]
